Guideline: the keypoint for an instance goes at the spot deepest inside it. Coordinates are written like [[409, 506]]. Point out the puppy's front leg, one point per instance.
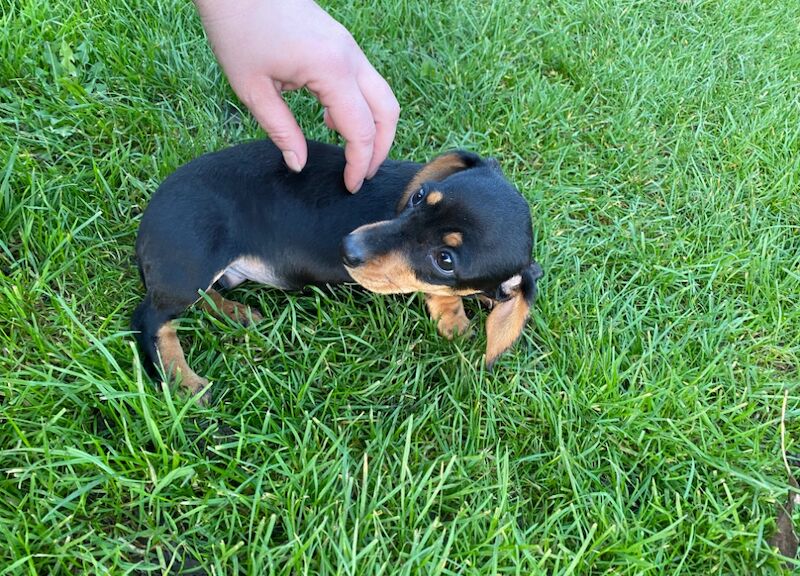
[[448, 311]]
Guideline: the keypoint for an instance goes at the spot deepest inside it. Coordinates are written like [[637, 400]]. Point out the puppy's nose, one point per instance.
[[353, 251]]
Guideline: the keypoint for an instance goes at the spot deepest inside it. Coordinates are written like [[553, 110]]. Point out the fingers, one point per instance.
[[349, 113], [250, 39], [385, 112], [328, 122], [264, 100], [365, 112]]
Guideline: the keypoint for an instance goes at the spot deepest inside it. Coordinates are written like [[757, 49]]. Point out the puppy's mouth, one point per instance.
[[391, 274], [386, 274]]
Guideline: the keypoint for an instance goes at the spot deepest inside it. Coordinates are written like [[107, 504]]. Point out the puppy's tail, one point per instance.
[[145, 323]]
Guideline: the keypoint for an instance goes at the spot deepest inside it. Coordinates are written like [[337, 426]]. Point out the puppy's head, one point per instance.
[[461, 228]]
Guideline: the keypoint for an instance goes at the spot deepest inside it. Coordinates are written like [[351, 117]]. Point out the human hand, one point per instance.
[[268, 46]]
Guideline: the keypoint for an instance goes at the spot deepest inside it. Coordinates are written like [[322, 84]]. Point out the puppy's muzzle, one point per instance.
[[370, 240], [354, 251]]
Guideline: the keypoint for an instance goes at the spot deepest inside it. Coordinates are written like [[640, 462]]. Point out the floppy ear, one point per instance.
[[438, 169], [507, 319]]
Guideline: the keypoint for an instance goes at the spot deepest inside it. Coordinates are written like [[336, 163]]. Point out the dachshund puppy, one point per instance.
[[451, 228]]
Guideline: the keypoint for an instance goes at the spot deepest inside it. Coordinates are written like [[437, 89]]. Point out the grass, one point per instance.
[[633, 430]]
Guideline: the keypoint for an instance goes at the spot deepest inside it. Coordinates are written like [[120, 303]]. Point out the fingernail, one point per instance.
[[357, 187], [291, 161]]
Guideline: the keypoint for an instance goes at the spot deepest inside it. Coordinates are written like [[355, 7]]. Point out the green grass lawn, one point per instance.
[[633, 430]]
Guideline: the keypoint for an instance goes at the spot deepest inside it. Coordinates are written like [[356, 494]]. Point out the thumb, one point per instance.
[[265, 102]]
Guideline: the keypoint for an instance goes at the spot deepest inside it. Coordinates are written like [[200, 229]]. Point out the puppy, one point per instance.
[[451, 228]]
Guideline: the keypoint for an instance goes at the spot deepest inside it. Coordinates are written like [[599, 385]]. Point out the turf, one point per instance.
[[633, 430]]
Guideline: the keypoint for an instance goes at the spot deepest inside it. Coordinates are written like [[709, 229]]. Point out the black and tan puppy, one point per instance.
[[451, 228]]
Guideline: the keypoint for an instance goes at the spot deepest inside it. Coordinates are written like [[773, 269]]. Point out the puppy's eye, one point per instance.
[[417, 198], [444, 261]]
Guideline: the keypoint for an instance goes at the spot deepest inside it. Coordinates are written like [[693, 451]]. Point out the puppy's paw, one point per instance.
[[242, 313], [448, 311], [251, 316], [451, 326], [205, 399], [197, 386], [222, 308], [486, 302]]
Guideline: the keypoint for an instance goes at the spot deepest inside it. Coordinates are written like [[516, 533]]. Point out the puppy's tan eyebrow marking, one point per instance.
[[434, 198], [454, 239], [437, 169]]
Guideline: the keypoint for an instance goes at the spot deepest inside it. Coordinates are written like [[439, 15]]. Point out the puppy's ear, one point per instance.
[[449, 163], [438, 169], [507, 319]]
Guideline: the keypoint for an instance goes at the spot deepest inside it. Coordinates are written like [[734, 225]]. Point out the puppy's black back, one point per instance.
[[244, 201]]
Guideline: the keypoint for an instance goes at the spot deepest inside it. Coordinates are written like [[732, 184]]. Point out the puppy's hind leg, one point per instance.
[[221, 307], [174, 362], [158, 342]]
